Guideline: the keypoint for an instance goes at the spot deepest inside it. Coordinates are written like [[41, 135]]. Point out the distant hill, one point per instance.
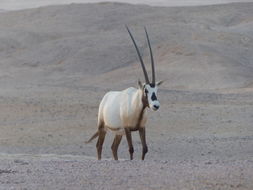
[[207, 47]]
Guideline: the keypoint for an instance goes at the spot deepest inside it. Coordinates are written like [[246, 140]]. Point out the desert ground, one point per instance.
[[57, 62]]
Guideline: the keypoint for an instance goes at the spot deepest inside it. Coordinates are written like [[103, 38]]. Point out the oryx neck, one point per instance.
[[144, 99]]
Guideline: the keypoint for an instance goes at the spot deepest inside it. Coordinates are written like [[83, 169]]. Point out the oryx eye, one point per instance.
[[146, 91]]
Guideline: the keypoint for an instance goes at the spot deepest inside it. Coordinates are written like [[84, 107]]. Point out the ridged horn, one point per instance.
[[151, 57], [139, 55]]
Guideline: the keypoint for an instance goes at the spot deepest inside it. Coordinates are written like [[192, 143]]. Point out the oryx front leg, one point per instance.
[[101, 138], [129, 141], [143, 142], [115, 146]]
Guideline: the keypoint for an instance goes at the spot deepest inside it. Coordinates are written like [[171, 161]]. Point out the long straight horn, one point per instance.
[[152, 59], [139, 55]]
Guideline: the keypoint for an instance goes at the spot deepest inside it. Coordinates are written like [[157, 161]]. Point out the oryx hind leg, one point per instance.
[[101, 138], [115, 146]]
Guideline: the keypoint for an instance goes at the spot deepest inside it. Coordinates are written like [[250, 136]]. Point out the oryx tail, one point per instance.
[[93, 137]]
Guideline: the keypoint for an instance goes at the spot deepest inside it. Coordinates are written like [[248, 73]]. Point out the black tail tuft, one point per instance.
[[93, 137]]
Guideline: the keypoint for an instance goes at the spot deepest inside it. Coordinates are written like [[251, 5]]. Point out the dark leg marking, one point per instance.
[[101, 138], [115, 146], [129, 141], [143, 142]]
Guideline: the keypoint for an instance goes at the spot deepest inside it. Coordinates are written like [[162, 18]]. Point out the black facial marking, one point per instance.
[[152, 85], [153, 97]]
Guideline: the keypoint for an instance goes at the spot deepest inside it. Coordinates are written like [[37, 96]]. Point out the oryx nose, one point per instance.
[[156, 107]]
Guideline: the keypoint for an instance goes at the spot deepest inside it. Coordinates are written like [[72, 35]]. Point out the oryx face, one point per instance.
[[149, 88], [150, 93]]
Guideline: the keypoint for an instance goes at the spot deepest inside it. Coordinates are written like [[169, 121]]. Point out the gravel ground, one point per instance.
[[57, 62], [70, 172]]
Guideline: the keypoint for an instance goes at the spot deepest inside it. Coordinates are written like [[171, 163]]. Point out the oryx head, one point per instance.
[[149, 88]]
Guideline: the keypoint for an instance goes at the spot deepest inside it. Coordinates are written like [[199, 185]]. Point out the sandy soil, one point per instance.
[[81, 173], [57, 62]]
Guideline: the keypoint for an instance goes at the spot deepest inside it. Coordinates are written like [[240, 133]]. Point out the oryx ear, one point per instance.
[[159, 83], [140, 84]]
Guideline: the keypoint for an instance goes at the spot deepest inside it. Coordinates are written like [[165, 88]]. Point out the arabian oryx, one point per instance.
[[125, 111]]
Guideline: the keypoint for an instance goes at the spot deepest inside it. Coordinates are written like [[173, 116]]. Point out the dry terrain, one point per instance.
[[57, 62]]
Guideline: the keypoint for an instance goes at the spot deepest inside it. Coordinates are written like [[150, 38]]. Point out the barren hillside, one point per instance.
[[57, 62]]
